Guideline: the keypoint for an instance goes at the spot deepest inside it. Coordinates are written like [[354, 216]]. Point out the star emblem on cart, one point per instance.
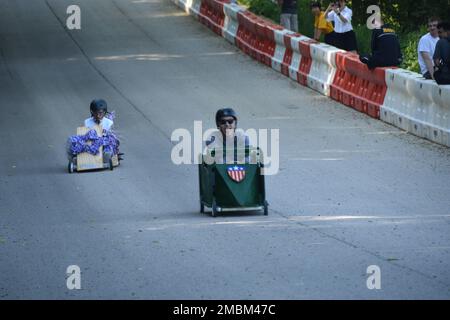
[[236, 173]]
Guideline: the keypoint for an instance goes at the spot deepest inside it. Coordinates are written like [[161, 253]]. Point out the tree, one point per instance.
[[406, 15]]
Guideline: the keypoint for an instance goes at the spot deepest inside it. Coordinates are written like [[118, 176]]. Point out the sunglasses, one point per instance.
[[224, 122], [432, 25]]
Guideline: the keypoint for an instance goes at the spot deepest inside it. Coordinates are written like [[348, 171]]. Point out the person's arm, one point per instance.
[[428, 62], [328, 13], [344, 17], [321, 26], [317, 34], [375, 34], [437, 61], [437, 54], [88, 122]]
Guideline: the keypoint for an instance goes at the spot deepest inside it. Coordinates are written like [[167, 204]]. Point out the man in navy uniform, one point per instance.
[[385, 46]]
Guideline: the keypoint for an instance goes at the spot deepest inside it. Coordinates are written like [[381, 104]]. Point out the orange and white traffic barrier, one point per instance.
[[323, 67], [417, 105], [231, 24], [399, 97]]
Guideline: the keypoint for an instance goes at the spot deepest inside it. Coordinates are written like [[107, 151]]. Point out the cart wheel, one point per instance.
[[266, 208], [70, 167], [214, 210], [111, 167], [202, 207]]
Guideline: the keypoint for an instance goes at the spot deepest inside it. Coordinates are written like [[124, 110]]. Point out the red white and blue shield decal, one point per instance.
[[236, 173]]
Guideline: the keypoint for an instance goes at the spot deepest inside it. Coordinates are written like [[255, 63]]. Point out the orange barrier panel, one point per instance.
[[287, 59], [212, 14], [270, 42], [255, 37], [306, 61], [358, 87]]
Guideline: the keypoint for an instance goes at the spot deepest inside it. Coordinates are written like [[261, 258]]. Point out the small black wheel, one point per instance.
[[70, 167], [111, 166], [202, 207], [266, 208]]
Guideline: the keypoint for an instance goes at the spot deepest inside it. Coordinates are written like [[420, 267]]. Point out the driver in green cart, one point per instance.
[[227, 138]]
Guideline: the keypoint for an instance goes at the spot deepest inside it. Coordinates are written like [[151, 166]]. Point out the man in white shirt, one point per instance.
[[427, 45], [341, 15]]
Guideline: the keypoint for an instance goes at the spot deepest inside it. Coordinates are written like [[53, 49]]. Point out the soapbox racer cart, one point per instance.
[[86, 161], [232, 186]]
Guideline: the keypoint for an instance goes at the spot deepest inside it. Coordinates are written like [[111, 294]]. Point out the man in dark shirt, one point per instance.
[[289, 18], [442, 54], [385, 46]]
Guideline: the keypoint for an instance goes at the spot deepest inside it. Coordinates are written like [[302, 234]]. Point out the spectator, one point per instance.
[[289, 18], [441, 55], [341, 15], [426, 48], [441, 45], [385, 46], [443, 30], [321, 25]]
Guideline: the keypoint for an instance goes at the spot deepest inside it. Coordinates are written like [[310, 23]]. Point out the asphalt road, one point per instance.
[[351, 191]]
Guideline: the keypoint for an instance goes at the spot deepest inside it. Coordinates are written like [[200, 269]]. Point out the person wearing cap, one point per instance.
[[386, 51], [226, 135]]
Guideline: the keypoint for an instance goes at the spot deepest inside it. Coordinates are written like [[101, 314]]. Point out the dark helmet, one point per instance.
[[98, 104], [225, 112]]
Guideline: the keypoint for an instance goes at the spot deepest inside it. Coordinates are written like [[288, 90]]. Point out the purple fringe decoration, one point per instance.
[[110, 142], [111, 115], [78, 144]]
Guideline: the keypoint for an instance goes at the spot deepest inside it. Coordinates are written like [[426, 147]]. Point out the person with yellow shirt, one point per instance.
[[321, 25]]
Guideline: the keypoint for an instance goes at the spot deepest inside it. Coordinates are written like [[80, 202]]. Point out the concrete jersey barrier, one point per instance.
[[399, 97]]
